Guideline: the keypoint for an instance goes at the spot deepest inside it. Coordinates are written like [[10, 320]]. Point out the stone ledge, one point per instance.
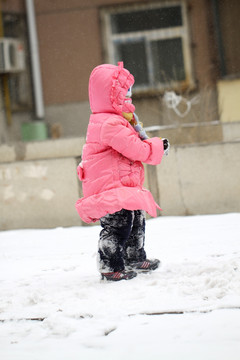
[[60, 148], [7, 153], [187, 134]]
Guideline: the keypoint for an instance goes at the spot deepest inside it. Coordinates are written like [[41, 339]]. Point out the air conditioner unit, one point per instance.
[[12, 55]]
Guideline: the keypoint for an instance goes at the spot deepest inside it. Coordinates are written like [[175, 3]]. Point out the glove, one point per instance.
[[166, 146]]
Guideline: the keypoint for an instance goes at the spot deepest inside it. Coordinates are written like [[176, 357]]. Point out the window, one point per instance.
[[152, 41]]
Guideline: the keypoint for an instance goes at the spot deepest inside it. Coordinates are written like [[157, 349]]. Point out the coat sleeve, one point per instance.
[[116, 133]]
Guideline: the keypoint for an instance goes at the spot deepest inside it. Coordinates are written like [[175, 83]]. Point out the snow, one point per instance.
[[53, 304]]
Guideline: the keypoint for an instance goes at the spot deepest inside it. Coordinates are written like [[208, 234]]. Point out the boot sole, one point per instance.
[[155, 267], [105, 278]]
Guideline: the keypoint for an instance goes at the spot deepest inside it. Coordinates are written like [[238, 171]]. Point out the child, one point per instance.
[[112, 174]]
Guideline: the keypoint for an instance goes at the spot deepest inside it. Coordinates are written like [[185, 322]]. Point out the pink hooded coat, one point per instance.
[[111, 170]]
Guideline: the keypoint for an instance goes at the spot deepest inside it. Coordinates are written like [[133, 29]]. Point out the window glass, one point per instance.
[[134, 55], [168, 60], [151, 19]]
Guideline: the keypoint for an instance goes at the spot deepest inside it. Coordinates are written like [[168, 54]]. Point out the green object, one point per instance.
[[34, 131]]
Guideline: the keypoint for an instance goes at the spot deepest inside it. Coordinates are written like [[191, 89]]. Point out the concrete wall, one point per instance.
[[200, 179], [33, 194], [39, 185], [228, 100]]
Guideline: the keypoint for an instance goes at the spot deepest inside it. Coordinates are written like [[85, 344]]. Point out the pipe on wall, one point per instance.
[[6, 92], [221, 55], [35, 63]]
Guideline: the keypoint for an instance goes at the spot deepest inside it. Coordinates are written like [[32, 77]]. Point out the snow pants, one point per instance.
[[121, 240]]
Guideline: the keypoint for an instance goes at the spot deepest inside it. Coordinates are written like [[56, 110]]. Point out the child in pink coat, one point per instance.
[[112, 174]]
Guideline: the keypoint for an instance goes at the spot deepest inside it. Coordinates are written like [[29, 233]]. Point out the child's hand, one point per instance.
[[166, 146]]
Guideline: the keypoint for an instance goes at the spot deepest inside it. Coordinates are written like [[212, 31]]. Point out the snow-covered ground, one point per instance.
[[54, 306]]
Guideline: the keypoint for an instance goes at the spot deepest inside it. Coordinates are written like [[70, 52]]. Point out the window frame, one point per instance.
[[150, 35]]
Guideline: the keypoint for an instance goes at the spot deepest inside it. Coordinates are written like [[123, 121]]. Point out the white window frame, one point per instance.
[[150, 35]]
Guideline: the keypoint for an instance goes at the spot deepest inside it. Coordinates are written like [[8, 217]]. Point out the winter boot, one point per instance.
[[119, 275], [144, 266]]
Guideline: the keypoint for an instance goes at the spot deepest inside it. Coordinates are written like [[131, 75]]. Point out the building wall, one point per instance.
[[70, 44], [13, 5], [197, 14], [230, 28], [228, 100], [70, 38], [192, 182], [70, 41]]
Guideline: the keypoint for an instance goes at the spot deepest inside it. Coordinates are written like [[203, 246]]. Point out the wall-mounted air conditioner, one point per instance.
[[12, 55]]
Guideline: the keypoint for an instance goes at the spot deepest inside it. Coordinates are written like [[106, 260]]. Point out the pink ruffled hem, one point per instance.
[[92, 208]]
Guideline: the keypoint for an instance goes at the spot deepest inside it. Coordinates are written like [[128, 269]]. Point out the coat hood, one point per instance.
[[108, 86]]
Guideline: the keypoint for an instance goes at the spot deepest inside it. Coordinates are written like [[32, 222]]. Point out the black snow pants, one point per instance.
[[121, 240]]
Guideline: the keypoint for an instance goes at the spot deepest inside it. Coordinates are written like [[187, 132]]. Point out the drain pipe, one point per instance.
[[35, 63], [218, 36]]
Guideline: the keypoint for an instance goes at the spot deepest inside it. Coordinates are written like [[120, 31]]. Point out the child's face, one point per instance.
[[128, 107], [129, 93]]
